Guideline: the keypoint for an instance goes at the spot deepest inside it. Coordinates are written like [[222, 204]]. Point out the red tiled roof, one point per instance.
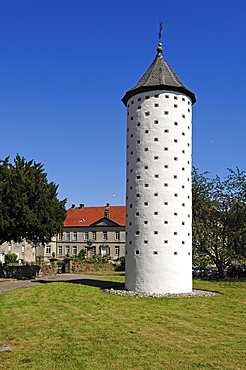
[[92, 214]]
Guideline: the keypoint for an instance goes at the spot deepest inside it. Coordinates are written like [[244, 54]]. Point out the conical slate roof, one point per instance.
[[159, 76]]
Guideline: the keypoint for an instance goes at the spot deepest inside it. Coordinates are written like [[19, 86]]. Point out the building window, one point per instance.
[[105, 235], [167, 96], [156, 105], [166, 112], [67, 249], [59, 251], [59, 236], [166, 131], [47, 249], [146, 131], [117, 251], [156, 122], [75, 235], [67, 236], [117, 235], [94, 235], [86, 235], [93, 251], [147, 113], [75, 250], [23, 249]]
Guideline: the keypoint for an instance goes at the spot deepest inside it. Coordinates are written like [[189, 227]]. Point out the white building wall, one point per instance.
[[159, 240]]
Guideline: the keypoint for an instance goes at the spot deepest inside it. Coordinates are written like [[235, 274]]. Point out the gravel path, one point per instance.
[[7, 285]]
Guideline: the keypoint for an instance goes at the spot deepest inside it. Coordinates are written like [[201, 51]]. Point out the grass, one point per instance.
[[74, 326]]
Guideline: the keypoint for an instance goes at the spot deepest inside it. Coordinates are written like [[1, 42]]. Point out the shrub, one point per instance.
[[11, 258]]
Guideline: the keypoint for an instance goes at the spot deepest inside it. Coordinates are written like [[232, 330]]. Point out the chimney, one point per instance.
[[73, 205], [106, 211], [81, 206]]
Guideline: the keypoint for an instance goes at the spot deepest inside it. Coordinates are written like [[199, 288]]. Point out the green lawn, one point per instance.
[[73, 326]]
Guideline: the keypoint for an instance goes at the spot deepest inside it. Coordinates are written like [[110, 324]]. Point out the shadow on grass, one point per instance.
[[90, 282]]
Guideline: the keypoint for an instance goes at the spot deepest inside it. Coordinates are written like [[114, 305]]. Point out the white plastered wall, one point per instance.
[[159, 240]]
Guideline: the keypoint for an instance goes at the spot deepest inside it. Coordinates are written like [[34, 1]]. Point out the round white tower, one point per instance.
[[158, 196]]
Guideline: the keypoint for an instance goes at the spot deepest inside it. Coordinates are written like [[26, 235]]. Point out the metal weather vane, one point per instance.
[[160, 30]]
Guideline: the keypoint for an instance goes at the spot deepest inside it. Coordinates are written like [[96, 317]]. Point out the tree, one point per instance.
[[29, 207], [219, 218]]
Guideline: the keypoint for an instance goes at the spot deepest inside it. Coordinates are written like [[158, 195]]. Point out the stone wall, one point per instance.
[[19, 272], [81, 267]]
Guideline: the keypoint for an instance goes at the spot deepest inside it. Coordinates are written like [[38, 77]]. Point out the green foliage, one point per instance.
[[29, 208], [11, 258], [122, 265], [219, 218], [98, 259]]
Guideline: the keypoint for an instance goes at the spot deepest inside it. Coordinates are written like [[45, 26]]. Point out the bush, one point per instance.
[[122, 265], [11, 258]]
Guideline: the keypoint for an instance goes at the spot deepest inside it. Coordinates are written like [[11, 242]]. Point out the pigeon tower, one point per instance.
[[158, 190]]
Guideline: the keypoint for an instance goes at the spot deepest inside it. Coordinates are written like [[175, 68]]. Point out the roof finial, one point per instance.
[[159, 48]]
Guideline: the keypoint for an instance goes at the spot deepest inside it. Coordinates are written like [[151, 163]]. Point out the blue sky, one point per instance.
[[66, 64]]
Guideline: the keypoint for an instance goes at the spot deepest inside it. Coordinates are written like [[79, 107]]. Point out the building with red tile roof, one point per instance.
[[98, 230]]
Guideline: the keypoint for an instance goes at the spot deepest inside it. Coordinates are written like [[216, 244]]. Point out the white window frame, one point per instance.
[[67, 235], [94, 235], [59, 237], [105, 235], [67, 249], [75, 250], [117, 235], [47, 249], [59, 249], [117, 250], [86, 235], [75, 235]]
